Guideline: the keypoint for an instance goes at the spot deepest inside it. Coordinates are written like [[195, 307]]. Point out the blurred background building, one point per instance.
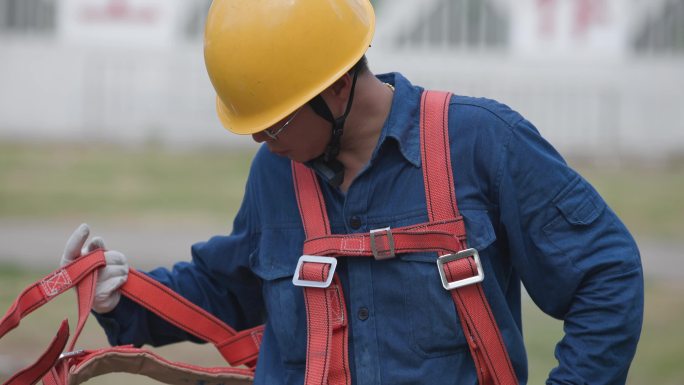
[[599, 78]]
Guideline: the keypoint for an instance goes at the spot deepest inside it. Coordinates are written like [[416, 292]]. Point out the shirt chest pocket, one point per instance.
[[435, 329], [576, 227], [275, 262]]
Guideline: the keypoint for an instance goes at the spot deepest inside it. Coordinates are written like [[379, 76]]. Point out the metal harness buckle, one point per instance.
[[384, 254], [74, 353], [314, 259], [444, 259]]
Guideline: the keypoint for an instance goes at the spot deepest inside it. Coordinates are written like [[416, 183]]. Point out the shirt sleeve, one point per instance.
[[576, 259], [218, 279]]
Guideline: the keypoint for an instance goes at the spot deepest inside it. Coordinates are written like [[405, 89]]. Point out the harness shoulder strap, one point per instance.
[[435, 155], [462, 272], [327, 347]]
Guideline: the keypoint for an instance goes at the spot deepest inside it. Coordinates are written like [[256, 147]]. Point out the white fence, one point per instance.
[[56, 92], [67, 93], [609, 109], [610, 106]]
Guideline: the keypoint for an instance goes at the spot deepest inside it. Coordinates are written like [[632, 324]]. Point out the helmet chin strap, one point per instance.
[[327, 163]]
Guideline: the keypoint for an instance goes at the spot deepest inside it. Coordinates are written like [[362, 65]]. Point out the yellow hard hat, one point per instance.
[[266, 58]]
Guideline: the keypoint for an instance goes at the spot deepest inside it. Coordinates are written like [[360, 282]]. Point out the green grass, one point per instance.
[[660, 352], [649, 200], [111, 182]]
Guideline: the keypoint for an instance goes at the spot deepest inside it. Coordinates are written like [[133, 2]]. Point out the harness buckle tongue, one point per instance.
[[467, 253], [323, 283], [385, 253], [71, 354]]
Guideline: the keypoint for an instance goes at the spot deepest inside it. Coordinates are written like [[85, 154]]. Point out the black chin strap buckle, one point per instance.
[[331, 170], [327, 164], [333, 147]]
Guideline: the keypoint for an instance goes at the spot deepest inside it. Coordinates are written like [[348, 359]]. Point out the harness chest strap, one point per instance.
[[57, 368], [444, 233]]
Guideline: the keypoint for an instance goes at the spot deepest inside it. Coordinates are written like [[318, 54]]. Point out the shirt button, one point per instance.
[[363, 313], [355, 222]]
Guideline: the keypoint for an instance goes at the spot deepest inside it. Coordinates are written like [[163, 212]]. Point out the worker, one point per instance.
[[294, 75]]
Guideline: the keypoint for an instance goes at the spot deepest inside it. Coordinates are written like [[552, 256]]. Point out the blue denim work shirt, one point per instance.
[[533, 219]]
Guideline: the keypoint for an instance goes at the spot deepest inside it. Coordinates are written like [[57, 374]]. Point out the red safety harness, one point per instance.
[[327, 338], [60, 366], [459, 268]]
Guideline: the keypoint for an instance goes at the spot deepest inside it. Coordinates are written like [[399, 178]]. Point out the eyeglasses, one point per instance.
[[273, 134]]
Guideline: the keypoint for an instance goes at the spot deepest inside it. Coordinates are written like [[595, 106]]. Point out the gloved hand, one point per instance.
[[109, 278]]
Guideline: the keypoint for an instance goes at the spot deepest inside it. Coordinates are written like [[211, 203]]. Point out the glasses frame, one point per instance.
[[273, 134]]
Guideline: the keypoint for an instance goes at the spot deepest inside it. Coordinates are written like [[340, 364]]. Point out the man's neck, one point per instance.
[[371, 107]]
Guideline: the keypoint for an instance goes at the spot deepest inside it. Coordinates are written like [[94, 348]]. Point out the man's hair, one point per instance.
[[360, 66]]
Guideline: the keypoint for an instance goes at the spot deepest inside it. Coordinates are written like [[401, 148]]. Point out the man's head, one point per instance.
[[306, 133], [267, 58]]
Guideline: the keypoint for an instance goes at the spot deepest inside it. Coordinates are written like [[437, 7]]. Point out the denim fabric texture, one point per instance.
[[532, 218]]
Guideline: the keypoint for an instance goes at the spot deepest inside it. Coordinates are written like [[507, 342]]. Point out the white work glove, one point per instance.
[[109, 278]]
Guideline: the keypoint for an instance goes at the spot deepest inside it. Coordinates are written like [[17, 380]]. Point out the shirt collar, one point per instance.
[[402, 123]]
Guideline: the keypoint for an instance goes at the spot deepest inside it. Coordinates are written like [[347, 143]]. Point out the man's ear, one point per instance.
[[337, 94], [342, 85]]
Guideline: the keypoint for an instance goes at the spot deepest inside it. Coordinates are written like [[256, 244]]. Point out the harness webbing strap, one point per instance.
[[41, 292], [407, 239], [33, 373], [327, 329], [310, 202], [82, 274], [238, 348], [327, 337], [435, 156], [484, 339], [486, 344]]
